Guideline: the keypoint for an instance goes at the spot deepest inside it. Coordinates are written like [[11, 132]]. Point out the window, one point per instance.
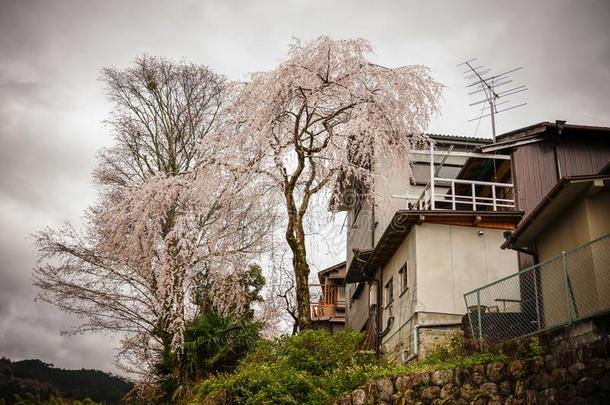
[[404, 277], [389, 292]]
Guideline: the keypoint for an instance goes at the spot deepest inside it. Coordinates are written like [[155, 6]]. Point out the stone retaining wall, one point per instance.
[[573, 376]]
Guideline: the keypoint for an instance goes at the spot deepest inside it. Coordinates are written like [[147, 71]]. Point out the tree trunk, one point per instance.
[[301, 273], [295, 236]]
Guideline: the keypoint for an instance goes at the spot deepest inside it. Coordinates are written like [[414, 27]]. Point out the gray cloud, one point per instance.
[[52, 105]]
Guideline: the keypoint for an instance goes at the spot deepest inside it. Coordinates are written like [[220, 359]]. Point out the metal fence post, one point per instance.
[[536, 295], [479, 319], [564, 266]]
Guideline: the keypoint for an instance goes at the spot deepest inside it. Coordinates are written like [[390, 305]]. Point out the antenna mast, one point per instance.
[[482, 81]]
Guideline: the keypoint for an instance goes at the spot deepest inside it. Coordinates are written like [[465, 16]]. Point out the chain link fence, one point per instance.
[[572, 286]]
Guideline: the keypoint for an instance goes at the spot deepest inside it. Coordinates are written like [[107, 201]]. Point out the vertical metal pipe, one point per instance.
[[473, 192], [493, 196], [432, 205], [536, 295], [453, 195], [564, 265], [479, 320]]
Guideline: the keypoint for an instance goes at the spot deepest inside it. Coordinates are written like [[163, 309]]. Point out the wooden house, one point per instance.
[[328, 311]]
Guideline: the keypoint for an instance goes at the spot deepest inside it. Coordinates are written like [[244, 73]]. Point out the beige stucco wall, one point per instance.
[[453, 260], [587, 218], [445, 261], [598, 214]]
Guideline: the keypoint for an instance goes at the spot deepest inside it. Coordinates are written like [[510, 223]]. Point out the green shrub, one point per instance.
[[310, 368], [316, 367]]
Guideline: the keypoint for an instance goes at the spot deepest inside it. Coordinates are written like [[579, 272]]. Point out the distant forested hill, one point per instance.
[[41, 378]]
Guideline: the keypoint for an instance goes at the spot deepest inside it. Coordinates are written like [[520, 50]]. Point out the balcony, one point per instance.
[[325, 312], [471, 190], [465, 195]]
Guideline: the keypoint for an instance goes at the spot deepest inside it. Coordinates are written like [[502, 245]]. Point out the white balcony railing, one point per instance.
[[441, 193], [500, 195]]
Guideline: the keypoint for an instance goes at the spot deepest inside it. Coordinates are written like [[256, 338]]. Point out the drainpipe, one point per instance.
[[559, 124], [379, 311], [374, 225]]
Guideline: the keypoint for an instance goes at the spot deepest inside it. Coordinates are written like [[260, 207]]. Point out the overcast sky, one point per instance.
[[52, 106]]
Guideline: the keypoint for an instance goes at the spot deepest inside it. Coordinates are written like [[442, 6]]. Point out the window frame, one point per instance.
[[404, 278], [388, 290]]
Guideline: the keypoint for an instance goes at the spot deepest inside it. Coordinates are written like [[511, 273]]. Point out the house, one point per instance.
[[329, 310], [561, 176], [568, 234], [543, 154], [367, 221], [410, 258]]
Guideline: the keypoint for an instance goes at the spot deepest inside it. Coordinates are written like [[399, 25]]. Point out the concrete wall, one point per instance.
[[403, 306], [357, 310], [359, 224], [391, 179], [445, 261]]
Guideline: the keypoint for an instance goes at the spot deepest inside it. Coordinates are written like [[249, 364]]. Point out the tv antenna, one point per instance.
[[482, 81]]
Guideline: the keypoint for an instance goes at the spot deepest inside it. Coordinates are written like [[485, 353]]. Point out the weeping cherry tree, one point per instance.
[[318, 122]]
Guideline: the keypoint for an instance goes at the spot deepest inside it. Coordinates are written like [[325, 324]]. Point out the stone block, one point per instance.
[[596, 368], [430, 393], [505, 388], [604, 383], [421, 379], [468, 392], [495, 372], [546, 396], [477, 374], [359, 397], [551, 362], [403, 383], [442, 377], [558, 377], [382, 389], [585, 387], [576, 371], [449, 391], [540, 381], [489, 390], [516, 369]]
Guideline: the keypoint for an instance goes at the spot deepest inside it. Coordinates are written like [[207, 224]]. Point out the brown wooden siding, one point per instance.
[[577, 158], [535, 166], [535, 169], [535, 173]]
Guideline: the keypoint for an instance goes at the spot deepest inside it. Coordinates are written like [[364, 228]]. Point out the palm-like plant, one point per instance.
[[214, 343]]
